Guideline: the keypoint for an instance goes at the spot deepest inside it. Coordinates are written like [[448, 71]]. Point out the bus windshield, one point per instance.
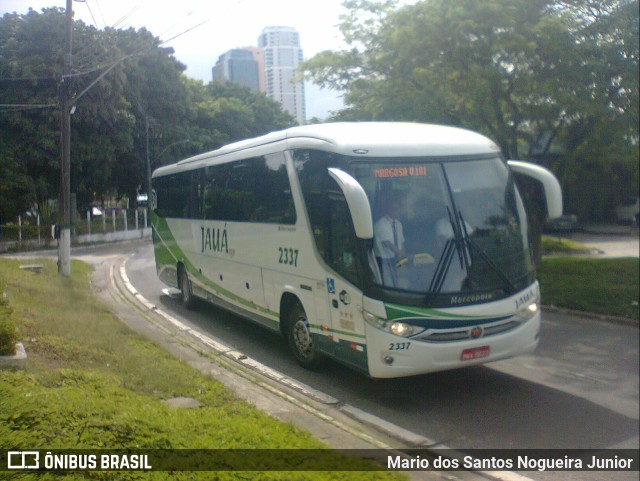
[[446, 227]]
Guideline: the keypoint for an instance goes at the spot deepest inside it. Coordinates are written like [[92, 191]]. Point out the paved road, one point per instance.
[[579, 390], [624, 244], [610, 246]]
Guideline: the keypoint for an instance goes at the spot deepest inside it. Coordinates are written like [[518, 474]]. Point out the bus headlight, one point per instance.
[[529, 311], [401, 329], [397, 328]]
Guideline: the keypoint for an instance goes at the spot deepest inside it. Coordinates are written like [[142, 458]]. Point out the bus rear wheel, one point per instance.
[[300, 340], [186, 291]]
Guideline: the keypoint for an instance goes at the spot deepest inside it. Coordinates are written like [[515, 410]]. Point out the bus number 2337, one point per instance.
[[288, 256]]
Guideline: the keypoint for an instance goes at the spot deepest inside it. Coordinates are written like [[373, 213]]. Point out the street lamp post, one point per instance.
[[148, 164]]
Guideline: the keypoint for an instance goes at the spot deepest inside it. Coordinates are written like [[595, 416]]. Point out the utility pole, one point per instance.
[[64, 243], [148, 165]]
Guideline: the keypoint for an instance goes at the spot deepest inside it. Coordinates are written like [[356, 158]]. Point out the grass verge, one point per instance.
[[603, 286], [93, 383], [560, 245]]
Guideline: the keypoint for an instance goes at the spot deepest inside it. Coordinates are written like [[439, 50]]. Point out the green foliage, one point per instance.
[[605, 286], [551, 80], [143, 86], [8, 330], [8, 334]]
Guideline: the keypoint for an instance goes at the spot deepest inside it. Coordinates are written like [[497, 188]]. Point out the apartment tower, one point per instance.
[[238, 66], [282, 55]]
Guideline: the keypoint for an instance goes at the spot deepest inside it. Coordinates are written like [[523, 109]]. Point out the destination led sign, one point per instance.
[[394, 172]]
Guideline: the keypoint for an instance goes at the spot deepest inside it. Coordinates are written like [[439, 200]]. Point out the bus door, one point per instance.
[[345, 300]]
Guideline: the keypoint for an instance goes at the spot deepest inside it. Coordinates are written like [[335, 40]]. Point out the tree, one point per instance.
[[29, 123], [554, 81], [17, 189], [261, 114], [600, 138], [127, 88]]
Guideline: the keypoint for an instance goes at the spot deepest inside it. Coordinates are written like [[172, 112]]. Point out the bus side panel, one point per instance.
[[243, 282]]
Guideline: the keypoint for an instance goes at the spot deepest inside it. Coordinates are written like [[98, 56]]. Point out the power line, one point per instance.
[[92, 17], [185, 32], [104, 22], [23, 107], [126, 16], [25, 79]]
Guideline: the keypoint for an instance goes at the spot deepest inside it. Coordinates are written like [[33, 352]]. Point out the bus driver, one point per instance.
[[389, 242]]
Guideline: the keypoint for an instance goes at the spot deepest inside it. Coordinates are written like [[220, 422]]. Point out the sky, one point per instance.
[[219, 27]]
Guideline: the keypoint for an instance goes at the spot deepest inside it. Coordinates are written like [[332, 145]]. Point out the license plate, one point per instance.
[[475, 353]]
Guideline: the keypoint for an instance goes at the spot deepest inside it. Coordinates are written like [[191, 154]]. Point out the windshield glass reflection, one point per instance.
[[446, 227]]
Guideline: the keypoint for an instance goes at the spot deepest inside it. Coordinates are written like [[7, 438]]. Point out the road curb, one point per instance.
[[404, 435]]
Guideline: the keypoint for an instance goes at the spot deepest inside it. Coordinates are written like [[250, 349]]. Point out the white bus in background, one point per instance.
[[281, 229]]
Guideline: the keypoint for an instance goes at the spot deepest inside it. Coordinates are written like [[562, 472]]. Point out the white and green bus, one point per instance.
[[395, 248]]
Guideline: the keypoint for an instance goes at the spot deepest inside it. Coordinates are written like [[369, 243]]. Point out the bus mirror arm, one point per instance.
[[357, 201], [552, 190]]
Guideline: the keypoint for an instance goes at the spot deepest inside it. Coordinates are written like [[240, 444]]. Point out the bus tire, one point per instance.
[[186, 291], [300, 340]]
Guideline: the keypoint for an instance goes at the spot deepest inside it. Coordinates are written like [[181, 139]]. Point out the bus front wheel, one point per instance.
[[300, 340], [186, 292]]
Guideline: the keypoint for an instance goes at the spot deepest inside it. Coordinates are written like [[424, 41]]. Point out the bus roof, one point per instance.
[[363, 139]]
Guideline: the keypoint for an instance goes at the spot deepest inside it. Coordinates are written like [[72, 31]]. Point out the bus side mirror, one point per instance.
[[550, 184], [357, 201]]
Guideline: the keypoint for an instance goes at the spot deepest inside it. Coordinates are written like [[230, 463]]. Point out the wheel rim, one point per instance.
[[302, 338]]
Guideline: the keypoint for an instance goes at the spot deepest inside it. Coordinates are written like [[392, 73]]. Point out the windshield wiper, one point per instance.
[[464, 234], [442, 268], [469, 242], [459, 240]]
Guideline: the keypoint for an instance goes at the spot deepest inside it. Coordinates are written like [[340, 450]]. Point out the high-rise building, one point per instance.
[[258, 56], [282, 55], [238, 66]]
